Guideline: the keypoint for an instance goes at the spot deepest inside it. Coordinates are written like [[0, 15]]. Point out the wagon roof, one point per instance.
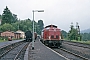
[[51, 25]]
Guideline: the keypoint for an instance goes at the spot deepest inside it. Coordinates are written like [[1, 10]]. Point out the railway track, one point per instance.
[[77, 44], [14, 52], [69, 55], [5, 49], [78, 49], [74, 50]]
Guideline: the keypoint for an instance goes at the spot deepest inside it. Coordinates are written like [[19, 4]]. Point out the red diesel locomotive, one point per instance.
[[51, 36]]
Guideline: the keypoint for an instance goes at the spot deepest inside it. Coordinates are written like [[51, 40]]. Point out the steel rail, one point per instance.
[[16, 57]]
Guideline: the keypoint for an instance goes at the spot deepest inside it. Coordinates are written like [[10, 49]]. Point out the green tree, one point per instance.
[[16, 25], [6, 16], [41, 25], [64, 34], [7, 27], [0, 17], [14, 18], [27, 25], [24, 25], [85, 36], [73, 34]]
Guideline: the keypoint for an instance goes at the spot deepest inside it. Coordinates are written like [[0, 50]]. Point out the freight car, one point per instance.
[[28, 35], [51, 36], [35, 35]]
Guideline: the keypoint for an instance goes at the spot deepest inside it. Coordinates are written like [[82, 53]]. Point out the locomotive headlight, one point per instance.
[[60, 37], [49, 37]]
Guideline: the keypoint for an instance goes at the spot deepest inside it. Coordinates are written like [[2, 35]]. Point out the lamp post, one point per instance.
[[33, 26]]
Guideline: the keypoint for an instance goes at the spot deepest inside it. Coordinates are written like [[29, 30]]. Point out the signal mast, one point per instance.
[[77, 28]]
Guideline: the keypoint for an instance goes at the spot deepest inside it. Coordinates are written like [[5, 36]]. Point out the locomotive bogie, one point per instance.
[[53, 43], [28, 39]]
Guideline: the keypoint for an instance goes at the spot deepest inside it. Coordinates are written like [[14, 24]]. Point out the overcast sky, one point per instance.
[[58, 12]]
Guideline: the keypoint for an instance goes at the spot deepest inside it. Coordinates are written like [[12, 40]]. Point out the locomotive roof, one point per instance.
[[51, 25]]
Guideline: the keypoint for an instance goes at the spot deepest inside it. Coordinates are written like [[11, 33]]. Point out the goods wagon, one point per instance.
[[35, 35], [51, 36]]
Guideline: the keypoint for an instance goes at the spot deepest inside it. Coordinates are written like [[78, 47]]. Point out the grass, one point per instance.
[[2, 40], [86, 42]]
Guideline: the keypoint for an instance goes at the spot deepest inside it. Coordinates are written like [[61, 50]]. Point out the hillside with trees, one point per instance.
[[0, 17], [64, 34], [10, 22], [85, 36]]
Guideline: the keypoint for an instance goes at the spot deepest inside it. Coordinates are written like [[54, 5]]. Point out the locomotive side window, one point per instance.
[[52, 36], [57, 36]]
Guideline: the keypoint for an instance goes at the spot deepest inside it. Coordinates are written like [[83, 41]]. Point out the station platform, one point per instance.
[[2, 44], [42, 52]]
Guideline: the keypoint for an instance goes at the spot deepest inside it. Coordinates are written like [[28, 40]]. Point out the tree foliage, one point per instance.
[[8, 17], [64, 34], [0, 17], [85, 36], [73, 34], [10, 22], [14, 18], [7, 27], [23, 25], [40, 25]]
